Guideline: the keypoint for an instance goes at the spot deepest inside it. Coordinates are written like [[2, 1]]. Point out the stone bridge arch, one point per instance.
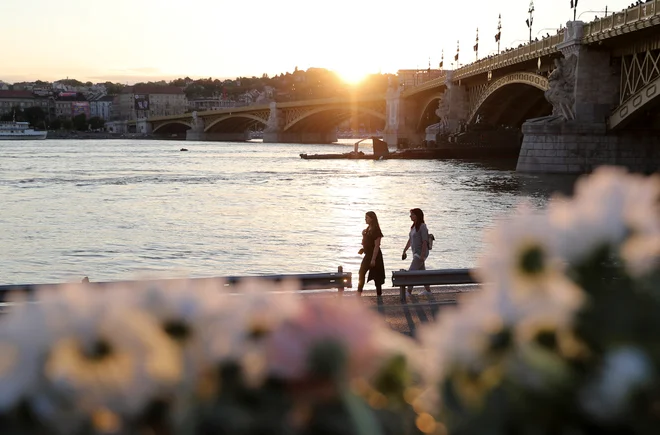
[[235, 122], [334, 115], [522, 82], [167, 125], [428, 108]]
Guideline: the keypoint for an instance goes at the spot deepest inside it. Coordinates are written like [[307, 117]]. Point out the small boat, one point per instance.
[[12, 130], [380, 152]]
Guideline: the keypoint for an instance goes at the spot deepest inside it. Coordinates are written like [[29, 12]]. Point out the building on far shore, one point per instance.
[[101, 107], [145, 101]]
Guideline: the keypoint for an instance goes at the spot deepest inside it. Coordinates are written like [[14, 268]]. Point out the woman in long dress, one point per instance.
[[373, 256]]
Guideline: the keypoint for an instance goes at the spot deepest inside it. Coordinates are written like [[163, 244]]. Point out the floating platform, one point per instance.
[[477, 152]]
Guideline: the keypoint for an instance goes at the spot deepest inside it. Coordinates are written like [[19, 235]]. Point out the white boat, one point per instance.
[[11, 130]]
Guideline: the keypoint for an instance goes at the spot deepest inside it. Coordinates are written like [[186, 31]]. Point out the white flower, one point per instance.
[[105, 357], [520, 250], [497, 319], [606, 208], [624, 371], [255, 309], [22, 346], [186, 311]]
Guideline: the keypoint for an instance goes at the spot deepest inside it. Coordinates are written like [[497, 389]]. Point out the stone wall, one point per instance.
[[579, 148]]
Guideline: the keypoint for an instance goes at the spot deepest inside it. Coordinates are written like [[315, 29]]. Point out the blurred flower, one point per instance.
[[22, 347], [252, 314], [107, 357], [186, 312], [607, 207], [520, 252], [624, 371], [336, 338]]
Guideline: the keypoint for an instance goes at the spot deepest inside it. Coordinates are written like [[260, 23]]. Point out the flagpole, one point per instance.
[[530, 20], [574, 4], [476, 46], [499, 32]]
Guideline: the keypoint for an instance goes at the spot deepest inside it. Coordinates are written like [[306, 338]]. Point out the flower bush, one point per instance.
[[562, 338], [191, 358]]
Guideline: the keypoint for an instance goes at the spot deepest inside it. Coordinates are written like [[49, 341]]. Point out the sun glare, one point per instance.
[[352, 76]]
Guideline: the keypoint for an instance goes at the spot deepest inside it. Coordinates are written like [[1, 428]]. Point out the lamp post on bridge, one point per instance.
[[530, 20], [458, 49], [442, 59], [574, 7], [498, 35], [476, 46]]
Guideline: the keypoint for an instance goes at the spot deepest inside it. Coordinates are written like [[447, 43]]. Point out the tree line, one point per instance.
[[38, 118]]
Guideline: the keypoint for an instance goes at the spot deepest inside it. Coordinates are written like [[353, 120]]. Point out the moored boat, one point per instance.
[[12, 130]]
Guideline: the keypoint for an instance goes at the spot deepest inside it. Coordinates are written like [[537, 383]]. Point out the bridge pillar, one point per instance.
[[274, 131], [143, 126], [401, 116], [274, 125], [583, 90], [454, 107], [196, 132]]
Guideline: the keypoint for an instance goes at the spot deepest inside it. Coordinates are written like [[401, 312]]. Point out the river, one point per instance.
[[127, 209]]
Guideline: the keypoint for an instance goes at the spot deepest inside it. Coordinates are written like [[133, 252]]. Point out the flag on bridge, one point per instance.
[[458, 49], [574, 4], [527, 21], [476, 47], [497, 36]]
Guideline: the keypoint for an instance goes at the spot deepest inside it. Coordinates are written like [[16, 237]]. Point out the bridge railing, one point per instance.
[[643, 11], [637, 13], [526, 52]]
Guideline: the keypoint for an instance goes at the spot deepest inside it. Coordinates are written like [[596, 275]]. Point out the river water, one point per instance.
[[126, 209]]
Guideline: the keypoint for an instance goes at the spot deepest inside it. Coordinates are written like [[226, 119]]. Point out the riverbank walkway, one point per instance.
[[419, 308]]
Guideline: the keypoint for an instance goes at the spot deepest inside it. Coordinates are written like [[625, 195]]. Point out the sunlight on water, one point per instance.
[[115, 210]]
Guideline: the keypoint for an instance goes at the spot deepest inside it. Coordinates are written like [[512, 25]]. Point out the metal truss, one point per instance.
[[637, 71]]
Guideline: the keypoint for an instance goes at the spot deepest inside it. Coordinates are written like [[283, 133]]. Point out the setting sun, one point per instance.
[[351, 75]]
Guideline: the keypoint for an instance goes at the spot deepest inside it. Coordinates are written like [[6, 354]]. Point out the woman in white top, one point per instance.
[[418, 240]]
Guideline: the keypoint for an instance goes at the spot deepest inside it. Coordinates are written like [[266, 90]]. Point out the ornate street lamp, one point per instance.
[[476, 46], [498, 35], [530, 20], [574, 7]]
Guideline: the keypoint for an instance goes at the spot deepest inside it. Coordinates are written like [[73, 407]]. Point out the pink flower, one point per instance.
[[341, 335]]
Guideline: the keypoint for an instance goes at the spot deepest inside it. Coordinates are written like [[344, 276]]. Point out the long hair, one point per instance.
[[375, 224], [420, 218]]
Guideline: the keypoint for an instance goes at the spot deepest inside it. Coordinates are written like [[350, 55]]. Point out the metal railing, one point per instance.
[[306, 281]]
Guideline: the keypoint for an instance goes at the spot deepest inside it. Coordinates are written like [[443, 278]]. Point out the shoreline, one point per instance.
[[56, 134]]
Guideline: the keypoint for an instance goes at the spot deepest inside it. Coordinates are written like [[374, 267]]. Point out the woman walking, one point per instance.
[[373, 256], [418, 240]]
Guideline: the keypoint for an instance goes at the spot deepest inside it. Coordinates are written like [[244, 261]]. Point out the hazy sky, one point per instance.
[[131, 40]]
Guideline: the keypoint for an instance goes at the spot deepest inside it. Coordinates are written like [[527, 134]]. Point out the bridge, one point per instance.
[[583, 97], [310, 121]]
